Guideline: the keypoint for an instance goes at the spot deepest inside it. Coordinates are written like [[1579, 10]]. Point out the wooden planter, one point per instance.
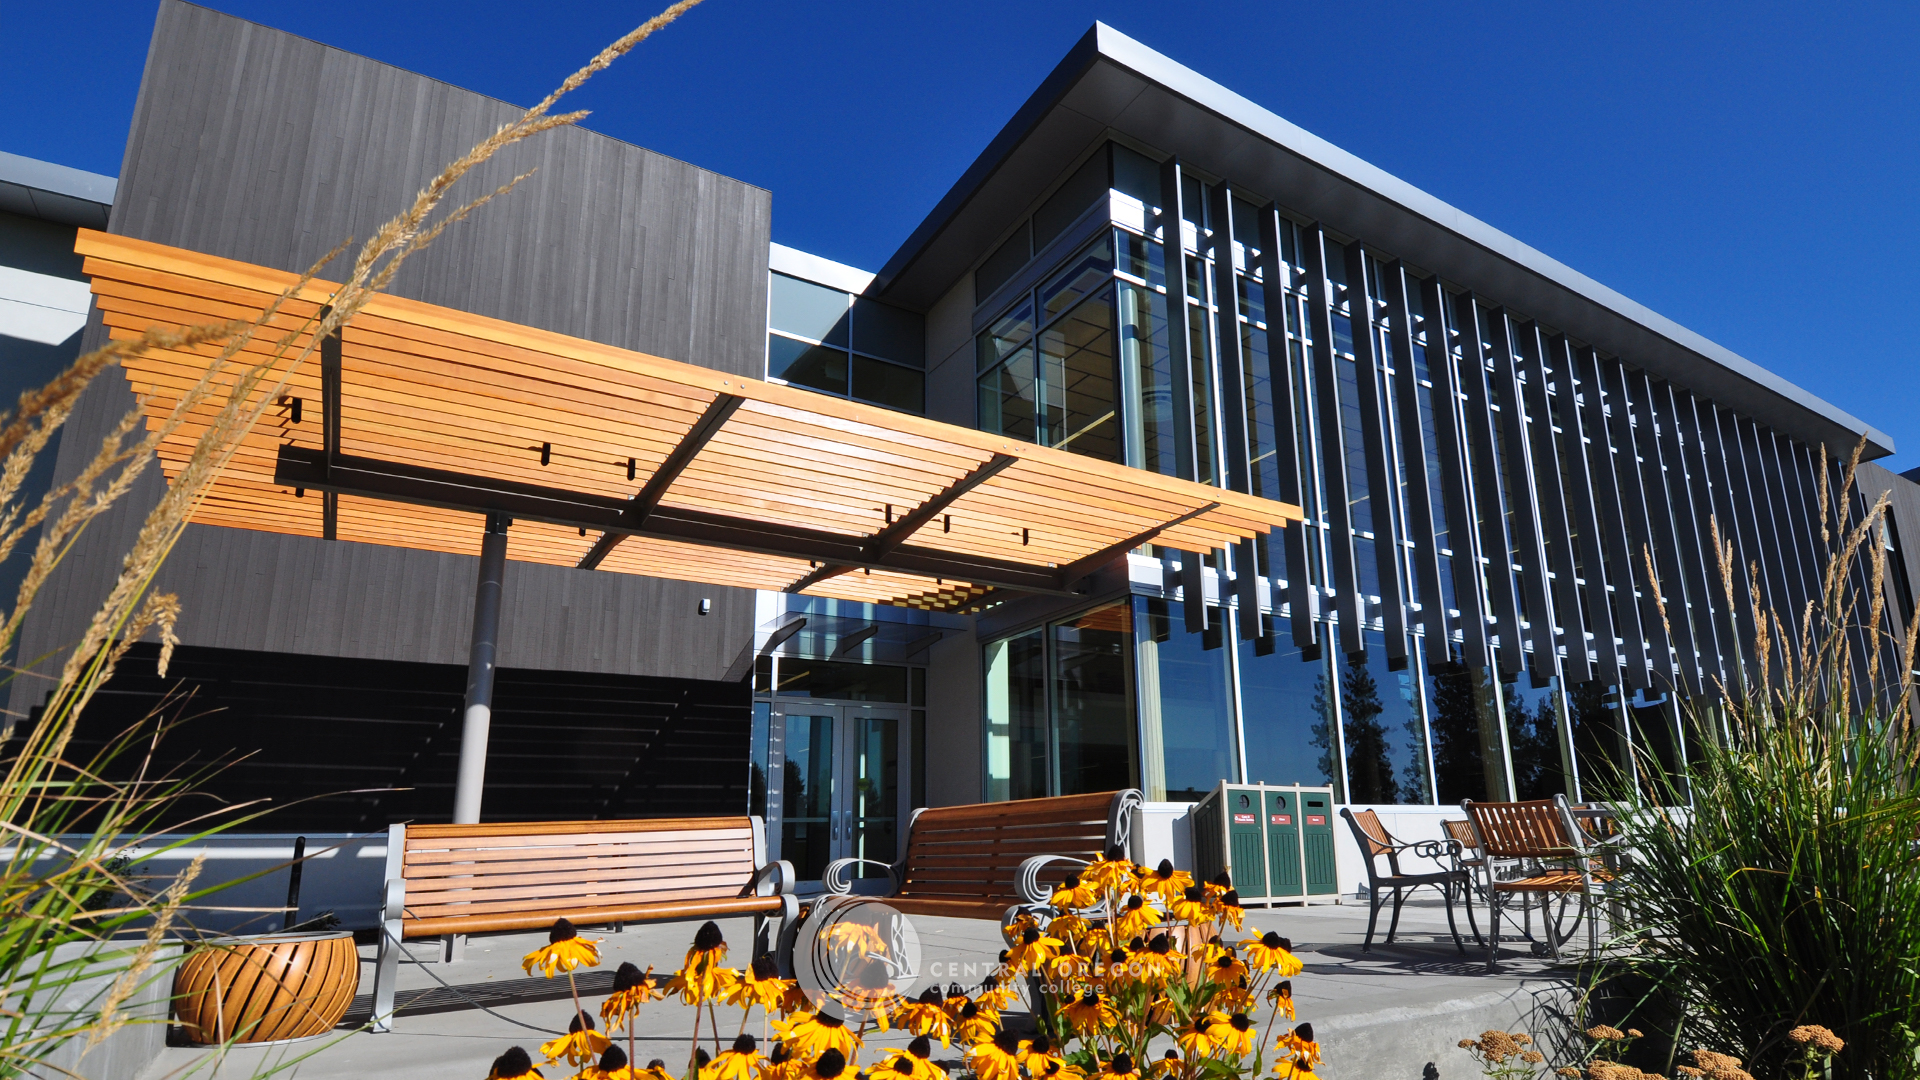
[[266, 988]]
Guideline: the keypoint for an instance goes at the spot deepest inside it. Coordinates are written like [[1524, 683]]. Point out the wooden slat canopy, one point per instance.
[[622, 461]]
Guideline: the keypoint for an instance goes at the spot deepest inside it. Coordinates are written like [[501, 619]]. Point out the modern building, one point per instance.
[[1491, 452]]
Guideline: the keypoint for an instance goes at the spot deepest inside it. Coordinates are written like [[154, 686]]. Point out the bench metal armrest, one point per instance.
[[837, 878], [1026, 883], [780, 871]]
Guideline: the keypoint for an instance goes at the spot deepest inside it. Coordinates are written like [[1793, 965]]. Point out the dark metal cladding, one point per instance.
[[1425, 553], [1333, 456], [1368, 371], [1303, 598]]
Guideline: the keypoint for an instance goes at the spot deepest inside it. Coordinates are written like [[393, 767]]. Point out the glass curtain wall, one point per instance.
[[1059, 708]]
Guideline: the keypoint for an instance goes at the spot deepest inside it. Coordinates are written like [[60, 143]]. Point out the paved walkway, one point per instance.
[[1379, 1015]]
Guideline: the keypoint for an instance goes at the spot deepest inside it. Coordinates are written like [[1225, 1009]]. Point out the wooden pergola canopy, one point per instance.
[[419, 417]]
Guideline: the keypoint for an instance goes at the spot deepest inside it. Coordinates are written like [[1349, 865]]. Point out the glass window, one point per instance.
[[1385, 741], [1081, 190], [757, 766], [917, 778], [1080, 406], [806, 793], [1136, 174], [1005, 262], [890, 385], [889, 332], [1085, 272], [1533, 731], [1286, 714], [1091, 687], [842, 681], [1469, 759], [815, 366], [1010, 399], [1148, 372], [1141, 257], [1007, 333], [1016, 674], [809, 310], [1593, 711], [1186, 712]]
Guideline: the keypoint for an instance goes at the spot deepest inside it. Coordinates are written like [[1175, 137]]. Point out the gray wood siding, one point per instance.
[[254, 144]]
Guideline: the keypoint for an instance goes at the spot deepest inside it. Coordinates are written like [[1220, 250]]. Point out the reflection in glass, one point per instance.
[[1533, 733], [1016, 710], [809, 310], [1147, 373], [1086, 272], [1599, 740], [815, 366], [890, 385], [1091, 692], [1186, 711], [1384, 738], [1010, 399], [1079, 404], [1007, 333], [1469, 758], [876, 792], [888, 331], [1657, 752], [807, 798], [1284, 714], [757, 764]]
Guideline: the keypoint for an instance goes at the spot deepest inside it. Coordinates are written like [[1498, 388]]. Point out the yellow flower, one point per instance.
[[1236, 997], [741, 1062], [1089, 1012], [703, 978], [1166, 882], [1074, 892], [997, 1058], [655, 1070], [612, 1066], [976, 1023], [830, 1065], [1271, 952], [1229, 909], [1235, 1035], [1293, 1070], [1108, 872], [580, 1045], [1033, 949], [994, 994], [781, 1064], [926, 1015], [1195, 1039], [760, 985], [913, 1063], [1118, 1067], [1226, 969], [1300, 1046], [632, 988], [1157, 962], [1068, 927], [512, 1065], [1169, 1067], [1281, 998], [565, 950], [1040, 1056], [1191, 906], [809, 1034], [1135, 917]]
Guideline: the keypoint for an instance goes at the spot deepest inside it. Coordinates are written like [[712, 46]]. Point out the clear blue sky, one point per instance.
[[1747, 169]]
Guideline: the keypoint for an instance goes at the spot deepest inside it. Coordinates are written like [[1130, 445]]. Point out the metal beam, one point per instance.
[[717, 413], [1469, 581], [1425, 555], [891, 537], [1377, 434], [1494, 542], [470, 781], [1179, 339], [329, 423], [1282, 311], [398, 482], [1333, 456]]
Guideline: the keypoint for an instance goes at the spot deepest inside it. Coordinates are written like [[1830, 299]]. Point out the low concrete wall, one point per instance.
[[122, 1055], [1397, 1043]]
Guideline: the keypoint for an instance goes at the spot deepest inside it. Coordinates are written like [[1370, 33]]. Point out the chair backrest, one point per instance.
[[974, 852], [573, 867], [1374, 841], [1462, 833], [1520, 830]]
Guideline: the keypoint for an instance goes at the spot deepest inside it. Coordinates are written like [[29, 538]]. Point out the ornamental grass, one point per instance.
[[1177, 1000]]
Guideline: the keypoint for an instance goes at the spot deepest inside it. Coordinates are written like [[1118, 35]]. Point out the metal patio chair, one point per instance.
[[1376, 843], [1552, 859]]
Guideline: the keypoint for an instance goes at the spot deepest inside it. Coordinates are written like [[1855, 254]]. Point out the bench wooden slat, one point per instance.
[[639, 878], [559, 900], [573, 864], [588, 916], [683, 841], [570, 828]]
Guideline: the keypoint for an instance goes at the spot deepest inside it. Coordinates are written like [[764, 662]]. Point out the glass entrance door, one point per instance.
[[841, 785]]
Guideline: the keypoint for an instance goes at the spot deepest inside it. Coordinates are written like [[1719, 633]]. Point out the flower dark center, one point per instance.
[[1072, 882], [764, 968], [708, 938], [1195, 894], [1040, 1044], [1231, 898], [1270, 939], [832, 1063], [1226, 961], [1091, 997], [1007, 1042], [1162, 945], [930, 996], [1118, 956], [702, 1058], [780, 1053], [562, 931], [1223, 879], [514, 1062], [920, 1047], [745, 1044], [581, 1022], [1031, 935], [1304, 1032], [1241, 1022], [1121, 1065], [903, 1066], [1165, 870], [614, 1059], [627, 977], [832, 1021], [1285, 989], [969, 1011], [1135, 903]]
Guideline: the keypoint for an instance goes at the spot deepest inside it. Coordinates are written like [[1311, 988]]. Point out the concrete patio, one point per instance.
[[1379, 1016]]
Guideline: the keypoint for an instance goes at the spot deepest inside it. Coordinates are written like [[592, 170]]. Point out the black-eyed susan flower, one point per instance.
[[565, 950], [1156, 963], [1136, 917], [1235, 1036], [1090, 1012], [830, 1065], [926, 1015], [1271, 952], [1191, 906], [579, 1045], [703, 978], [1236, 997], [976, 1023], [512, 1065], [994, 993], [1033, 949], [1229, 910], [612, 1066], [760, 984], [741, 1061], [1118, 1067], [1226, 970], [913, 1063], [1298, 1045], [1167, 883], [997, 1058], [632, 988], [1169, 1067], [1074, 892], [1287, 1069], [781, 1064], [1281, 998], [1041, 1056], [1108, 872], [655, 1070], [1068, 927], [807, 1035], [1212, 950], [1196, 1039]]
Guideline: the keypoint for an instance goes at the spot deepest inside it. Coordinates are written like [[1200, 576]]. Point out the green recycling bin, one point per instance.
[[1283, 841], [1274, 843], [1316, 837]]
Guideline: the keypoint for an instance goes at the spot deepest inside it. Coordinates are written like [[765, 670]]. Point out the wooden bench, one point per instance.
[[988, 860], [445, 880]]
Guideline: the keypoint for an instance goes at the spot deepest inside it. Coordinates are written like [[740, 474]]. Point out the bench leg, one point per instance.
[[785, 928], [453, 948], [386, 969]]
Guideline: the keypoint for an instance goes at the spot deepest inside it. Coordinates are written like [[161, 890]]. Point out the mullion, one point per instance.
[[1233, 407], [1556, 529], [1333, 465], [1425, 554], [1691, 551], [1304, 599], [1626, 507], [1727, 486], [1584, 508], [1379, 453], [1469, 582], [1486, 470], [1683, 664], [1173, 246], [1526, 498], [1783, 570]]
